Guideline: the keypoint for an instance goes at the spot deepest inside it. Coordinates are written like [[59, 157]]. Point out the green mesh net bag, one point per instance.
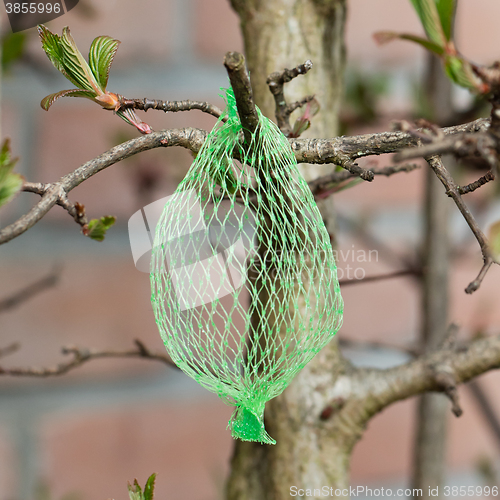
[[244, 282]]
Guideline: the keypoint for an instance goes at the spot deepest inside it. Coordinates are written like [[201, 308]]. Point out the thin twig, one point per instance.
[[452, 190], [469, 188], [30, 291], [322, 183], [378, 277], [461, 146], [81, 356], [276, 82], [169, 106]]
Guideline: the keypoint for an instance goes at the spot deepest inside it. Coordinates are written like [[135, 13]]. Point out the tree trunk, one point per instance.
[[433, 409], [309, 453]]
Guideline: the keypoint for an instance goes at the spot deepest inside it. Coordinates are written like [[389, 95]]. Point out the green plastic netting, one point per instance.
[[244, 282]]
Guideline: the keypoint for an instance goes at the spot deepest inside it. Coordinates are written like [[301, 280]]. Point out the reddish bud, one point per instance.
[[109, 100]]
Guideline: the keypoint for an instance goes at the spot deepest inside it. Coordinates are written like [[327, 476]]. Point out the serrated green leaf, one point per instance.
[[149, 489], [65, 56], [76, 64], [51, 44], [96, 229], [494, 238], [101, 54], [10, 184], [446, 10], [429, 17], [47, 101], [387, 36]]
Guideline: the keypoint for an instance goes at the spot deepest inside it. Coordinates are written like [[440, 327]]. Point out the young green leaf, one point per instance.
[[134, 491], [460, 72], [51, 44], [149, 489], [10, 183], [76, 65], [101, 54], [129, 116], [494, 238], [429, 17], [304, 121], [47, 101], [92, 79], [382, 37], [96, 228], [446, 10]]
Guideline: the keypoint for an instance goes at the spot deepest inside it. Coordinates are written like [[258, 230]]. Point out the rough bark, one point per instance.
[[308, 453]]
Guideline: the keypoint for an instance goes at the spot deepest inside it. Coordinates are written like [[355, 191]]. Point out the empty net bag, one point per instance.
[[243, 277]]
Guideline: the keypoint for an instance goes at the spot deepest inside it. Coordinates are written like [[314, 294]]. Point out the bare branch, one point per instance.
[[370, 390], [276, 82], [169, 106], [56, 193], [320, 185], [82, 356], [240, 83], [461, 145], [340, 150], [30, 291], [453, 191], [469, 188], [447, 384], [379, 277], [358, 146]]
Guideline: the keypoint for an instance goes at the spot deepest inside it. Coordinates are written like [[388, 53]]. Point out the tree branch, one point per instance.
[[321, 185], [379, 277], [469, 188], [56, 192], [339, 150], [276, 82], [30, 291], [240, 83], [169, 106], [453, 191], [82, 356], [370, 390]]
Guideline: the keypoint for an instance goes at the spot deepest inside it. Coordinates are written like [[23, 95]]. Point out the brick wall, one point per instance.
[[111, 421]]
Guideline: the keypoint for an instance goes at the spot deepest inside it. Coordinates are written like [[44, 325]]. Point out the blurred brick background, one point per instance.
[[89, 432]]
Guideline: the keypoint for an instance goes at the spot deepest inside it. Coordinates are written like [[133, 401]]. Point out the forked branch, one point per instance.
[[81, 356]]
